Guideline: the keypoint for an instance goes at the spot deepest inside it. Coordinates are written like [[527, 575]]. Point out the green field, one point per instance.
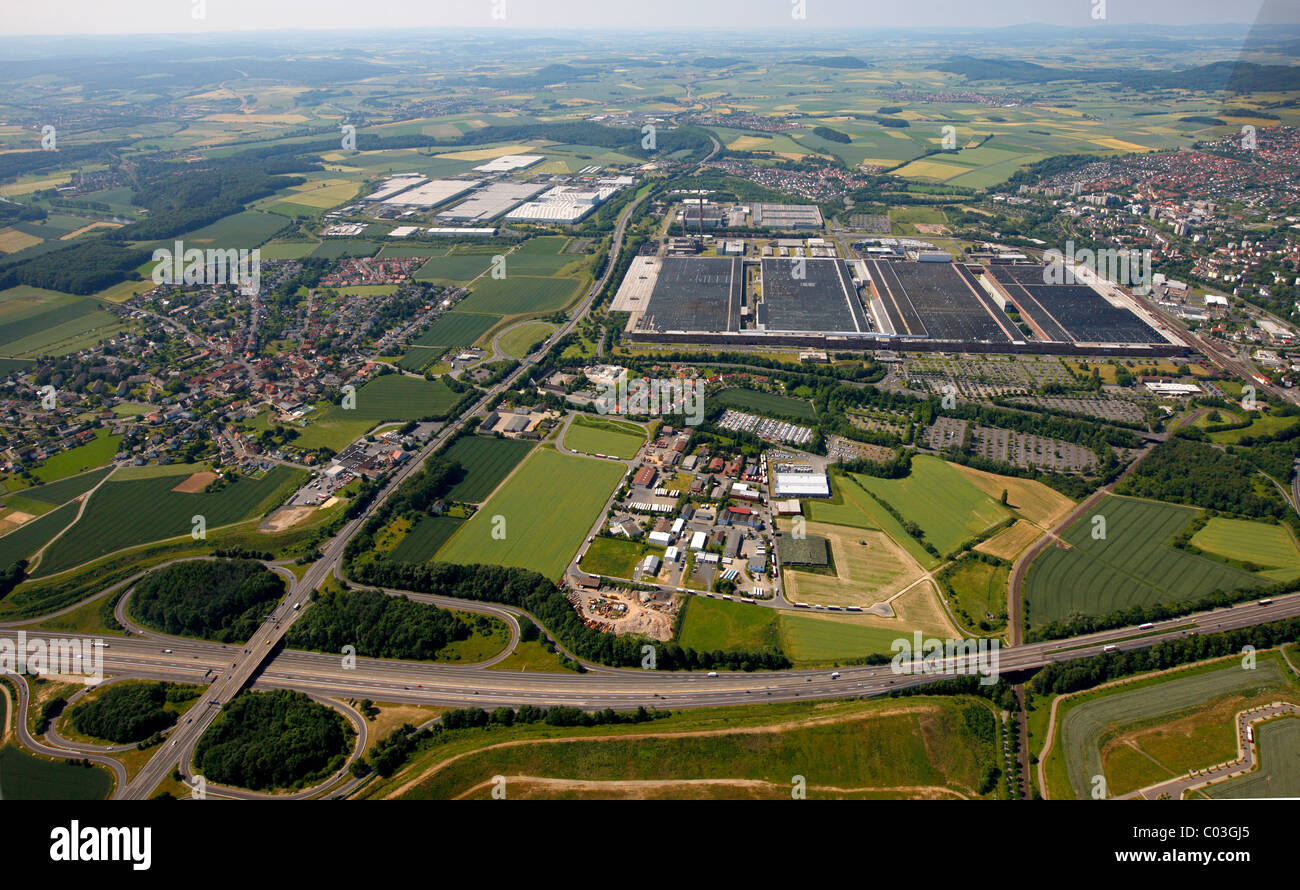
[[616, 557], [242, 231], [487, 460], [1086, 725], [519, 295], [766, 403], [454, 268], [854, 492], [548, 485], [943, 502], [1278, 775], [24, 776], [65, 489], [456, 329], [394, 397], [424, 539], [96, 453], [1262, 425], [417, 358], [124, 514], [1133, 566], [810, 639], [32, 323], [978, 592], [920, 747], [844, 507], [518, 341], [25, 540], [597, 435], [1270, 547], [711, 625]]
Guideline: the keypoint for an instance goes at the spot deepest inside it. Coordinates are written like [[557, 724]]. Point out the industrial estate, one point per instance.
[[493, 414]]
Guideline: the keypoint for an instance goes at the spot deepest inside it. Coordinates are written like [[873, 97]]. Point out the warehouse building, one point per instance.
[[802, 485]]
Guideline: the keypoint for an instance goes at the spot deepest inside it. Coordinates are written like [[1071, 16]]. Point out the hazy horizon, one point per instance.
[[182, 17]]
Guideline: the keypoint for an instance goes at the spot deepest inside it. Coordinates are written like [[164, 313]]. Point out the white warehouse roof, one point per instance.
[[802, 485]]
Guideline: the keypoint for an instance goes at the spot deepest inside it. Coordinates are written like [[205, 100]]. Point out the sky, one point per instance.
[[65, 17]]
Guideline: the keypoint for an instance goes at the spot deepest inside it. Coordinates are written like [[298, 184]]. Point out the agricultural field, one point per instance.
[[521, 295], [487, 460], [917, 748], [241, 231], [25, 776], [598, 435], [1132, 566], [424, 538], [126, 514], [394, 397], [456, 329], [1271, 548], [64, 490], [1034, 501], [1277, 777], [26, 539], [454, 269], [949, 508], [765, 403], [1141, 733], [547, 485], [868, 568], [35, 322]]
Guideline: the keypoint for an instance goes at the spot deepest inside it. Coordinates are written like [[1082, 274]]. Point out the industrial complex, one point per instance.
[[926, 302]]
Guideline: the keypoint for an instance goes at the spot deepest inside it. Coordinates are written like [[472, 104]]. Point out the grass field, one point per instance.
[[518, 341], [766, 403], [719, 624], [1179, 722], [24, 776], [456, 329], [124, 514], [454, 268], [487, 460], [597, 435], [1262, 425], [1268, 546], [920, 748], [96, 453], [548, 485], [1011, 542], [941, 500], [1278, 776], [854, 493], [979, 590], [615, 557], [1132, 566]]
